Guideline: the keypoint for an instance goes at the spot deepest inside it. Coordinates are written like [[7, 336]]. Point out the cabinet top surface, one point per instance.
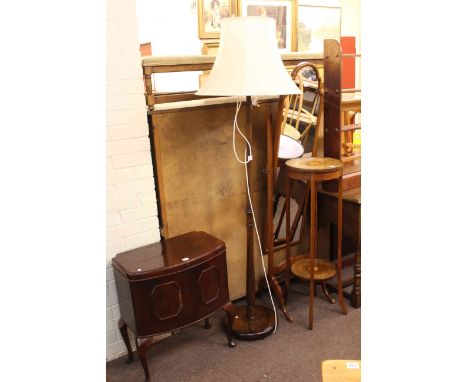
[[168, 256]]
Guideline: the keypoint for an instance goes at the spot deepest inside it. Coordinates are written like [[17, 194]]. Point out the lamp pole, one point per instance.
[[248, 55], [251, 322]]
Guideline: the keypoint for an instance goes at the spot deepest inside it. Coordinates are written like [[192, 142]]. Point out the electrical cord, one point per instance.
[[236, 127]]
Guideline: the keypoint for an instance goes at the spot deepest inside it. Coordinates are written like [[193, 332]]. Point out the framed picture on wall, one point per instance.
[[315, 24], [210, 14], [280, 10]]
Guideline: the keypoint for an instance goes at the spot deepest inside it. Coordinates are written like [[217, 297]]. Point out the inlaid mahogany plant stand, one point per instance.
[[314, 170], [170, 285]]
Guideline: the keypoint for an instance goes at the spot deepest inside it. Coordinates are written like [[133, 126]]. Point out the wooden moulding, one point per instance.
[[174, 97], [169, 64], [201, 102], [163, 64]]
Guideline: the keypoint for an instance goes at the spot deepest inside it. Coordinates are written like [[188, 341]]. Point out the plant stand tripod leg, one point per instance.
[[281, 299], [325, 292]]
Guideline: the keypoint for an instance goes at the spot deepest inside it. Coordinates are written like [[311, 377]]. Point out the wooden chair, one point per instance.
[[308, 78], [294, 114]]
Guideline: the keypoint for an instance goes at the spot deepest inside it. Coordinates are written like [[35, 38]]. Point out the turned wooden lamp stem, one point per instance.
[[250, 279], [251, 322]]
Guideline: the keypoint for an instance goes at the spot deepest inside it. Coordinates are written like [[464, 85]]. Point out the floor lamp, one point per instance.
[[248, 64]]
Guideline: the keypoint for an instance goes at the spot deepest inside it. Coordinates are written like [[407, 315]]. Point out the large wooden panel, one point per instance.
[[201, 184], [332, 113]]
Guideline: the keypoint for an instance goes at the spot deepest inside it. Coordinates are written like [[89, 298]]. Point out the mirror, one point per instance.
[[294, 135]]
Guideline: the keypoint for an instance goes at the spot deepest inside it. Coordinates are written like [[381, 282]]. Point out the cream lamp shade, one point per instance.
[[248, 62]]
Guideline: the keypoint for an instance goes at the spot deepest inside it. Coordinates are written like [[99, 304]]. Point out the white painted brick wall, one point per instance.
[[131, 200]]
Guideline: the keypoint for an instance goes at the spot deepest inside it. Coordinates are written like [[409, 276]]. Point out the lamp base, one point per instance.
[[256, 328]]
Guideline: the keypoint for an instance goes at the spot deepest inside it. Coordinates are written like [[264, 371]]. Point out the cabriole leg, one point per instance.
[[143, 344], [124, 332], [230, 314]]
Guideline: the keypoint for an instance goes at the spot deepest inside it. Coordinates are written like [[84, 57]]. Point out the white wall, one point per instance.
[[172, 28], [131, 201]]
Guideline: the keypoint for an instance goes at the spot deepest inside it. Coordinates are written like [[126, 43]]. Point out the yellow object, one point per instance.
[[341, 371], [357, 137]]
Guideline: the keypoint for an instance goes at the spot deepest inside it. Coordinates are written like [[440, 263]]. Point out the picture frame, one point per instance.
[[210, 48], [315, 24], [210, 14], [283, 11]]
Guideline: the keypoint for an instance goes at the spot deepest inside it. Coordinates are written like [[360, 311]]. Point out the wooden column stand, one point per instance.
[[251, 321], [338, 103]]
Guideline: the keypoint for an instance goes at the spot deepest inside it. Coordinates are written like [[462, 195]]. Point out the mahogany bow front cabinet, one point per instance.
[[170, 285]]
